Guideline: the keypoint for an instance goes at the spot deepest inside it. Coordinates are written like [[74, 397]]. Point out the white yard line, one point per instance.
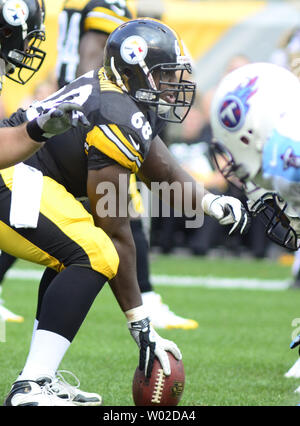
[[24, 274], [181, 281], [217, 282]]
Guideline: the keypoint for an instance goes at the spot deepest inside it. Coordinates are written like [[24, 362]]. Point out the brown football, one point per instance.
[[159, 390]]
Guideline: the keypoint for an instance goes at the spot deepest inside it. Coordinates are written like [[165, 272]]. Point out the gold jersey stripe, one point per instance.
[[75, 222], [103, 143], [132, 7], [103, 19], [115, 129], [19, 246], [106, 84], [75, 4], [69, 215]]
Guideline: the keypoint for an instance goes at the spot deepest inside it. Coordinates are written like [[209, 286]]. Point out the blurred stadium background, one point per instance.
[[214, 31]]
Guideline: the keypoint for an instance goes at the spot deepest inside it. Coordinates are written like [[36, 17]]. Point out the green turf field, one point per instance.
[[237, 356]]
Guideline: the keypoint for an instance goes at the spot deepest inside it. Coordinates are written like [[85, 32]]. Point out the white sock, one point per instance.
[[35, 326], [46, 353]]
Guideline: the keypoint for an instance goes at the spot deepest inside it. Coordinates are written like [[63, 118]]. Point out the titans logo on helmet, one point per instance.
[[234, 106]]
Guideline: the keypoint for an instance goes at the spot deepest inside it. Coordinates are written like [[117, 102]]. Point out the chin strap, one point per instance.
[[119, 80], [2, 72]]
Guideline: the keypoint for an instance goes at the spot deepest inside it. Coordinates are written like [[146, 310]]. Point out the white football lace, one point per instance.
[[59, 382], [48, 389], [159, 386]]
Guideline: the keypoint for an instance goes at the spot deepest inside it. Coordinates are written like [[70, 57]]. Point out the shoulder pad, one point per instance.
[[119, 109]]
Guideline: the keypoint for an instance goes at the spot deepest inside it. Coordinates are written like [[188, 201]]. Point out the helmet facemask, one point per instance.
[[171, 100], [236, 173], [270, 210], [29, 60], [21, 33]]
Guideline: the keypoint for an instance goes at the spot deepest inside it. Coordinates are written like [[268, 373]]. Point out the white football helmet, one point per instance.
[[248, 105]]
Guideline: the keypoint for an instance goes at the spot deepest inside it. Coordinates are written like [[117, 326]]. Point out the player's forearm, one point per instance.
[[160, 166], [125, 285], [16, 145], [117, 227]]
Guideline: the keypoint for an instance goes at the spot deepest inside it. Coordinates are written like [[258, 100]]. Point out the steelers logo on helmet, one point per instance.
[[232, 113], [133, 50], [15, 12]]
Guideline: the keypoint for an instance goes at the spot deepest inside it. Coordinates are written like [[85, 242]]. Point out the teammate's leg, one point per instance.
[[67, 241], [60, 319]]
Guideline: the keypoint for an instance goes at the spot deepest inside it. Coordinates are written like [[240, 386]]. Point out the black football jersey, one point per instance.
[[78, 17], [119, 132]]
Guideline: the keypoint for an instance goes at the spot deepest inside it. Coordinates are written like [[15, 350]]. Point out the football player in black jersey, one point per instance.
[[84, 26], [21, 33], [83, 30], [140, 86]]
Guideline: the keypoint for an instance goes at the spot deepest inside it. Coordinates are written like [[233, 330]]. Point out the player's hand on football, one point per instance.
[[56, 120], [152, 345], [227, 210]]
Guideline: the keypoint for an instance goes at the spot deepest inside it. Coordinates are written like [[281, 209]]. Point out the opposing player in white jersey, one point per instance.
[[256, 129]]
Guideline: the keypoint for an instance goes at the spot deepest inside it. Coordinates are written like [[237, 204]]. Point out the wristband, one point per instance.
[[35, 132], [136, 314]]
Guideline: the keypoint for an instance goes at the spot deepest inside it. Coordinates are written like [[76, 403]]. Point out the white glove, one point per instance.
[[56, 120], [227, 210], [151, 345]]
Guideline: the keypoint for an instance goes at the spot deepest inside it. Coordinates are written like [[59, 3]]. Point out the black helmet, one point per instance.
[[21, 32], [137, 50]]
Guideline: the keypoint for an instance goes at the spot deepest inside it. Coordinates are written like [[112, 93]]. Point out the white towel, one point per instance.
[[26, 196]]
